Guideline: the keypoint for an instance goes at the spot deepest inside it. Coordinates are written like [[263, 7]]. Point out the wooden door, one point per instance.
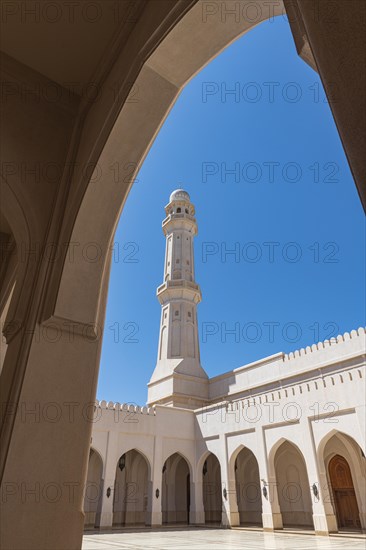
[[345, 501]]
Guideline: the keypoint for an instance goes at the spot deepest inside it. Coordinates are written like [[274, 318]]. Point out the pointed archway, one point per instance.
[[248, 489], [293, 487], [212, 499], [176, 490], [93, 491], [130, 498], [343, 463]]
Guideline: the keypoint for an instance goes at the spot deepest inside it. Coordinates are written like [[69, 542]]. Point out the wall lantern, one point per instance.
[[204, 469], [157, 493], [109, 490], [164, 468], [315, 490], [264, 488], [122, 462], [224, 492]]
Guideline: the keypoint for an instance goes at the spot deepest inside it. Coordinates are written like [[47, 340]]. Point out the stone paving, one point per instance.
[[216, 539]]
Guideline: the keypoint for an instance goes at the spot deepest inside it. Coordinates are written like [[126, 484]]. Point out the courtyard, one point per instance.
[[216, 539]]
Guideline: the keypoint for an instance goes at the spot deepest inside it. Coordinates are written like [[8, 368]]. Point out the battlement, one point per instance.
[[269, 370], [282, 368], [125, 407], [325, 344]]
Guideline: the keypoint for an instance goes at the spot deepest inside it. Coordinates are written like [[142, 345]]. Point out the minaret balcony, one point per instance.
[[179, 283], [179, 288], [178, 216]]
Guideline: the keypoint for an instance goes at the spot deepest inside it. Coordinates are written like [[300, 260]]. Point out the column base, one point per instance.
[[272, 521], [197, 517], [106, 520], [325, 524], [230, 519], [156, 519], [62, 529]]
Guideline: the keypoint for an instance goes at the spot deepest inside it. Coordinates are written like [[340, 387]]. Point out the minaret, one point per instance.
[[178, 379]]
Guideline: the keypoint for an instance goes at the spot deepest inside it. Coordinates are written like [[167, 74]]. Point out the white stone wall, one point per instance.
[[293, 412]]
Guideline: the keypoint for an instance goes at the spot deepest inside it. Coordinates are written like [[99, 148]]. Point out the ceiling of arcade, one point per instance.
[[67, 41]]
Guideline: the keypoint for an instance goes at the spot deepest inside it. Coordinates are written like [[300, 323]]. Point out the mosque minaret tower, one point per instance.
[[178, 379]]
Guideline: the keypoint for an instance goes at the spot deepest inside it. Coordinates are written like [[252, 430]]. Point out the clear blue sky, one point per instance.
[[293, 186]]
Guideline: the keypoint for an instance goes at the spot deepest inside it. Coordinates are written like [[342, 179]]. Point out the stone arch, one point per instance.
[[176, 488], [212, 488], [287, 467], [248, 487], [348, 503], [93, 490], [76, 291], [130, 496], [65, 292], [200, 463], [161, 78], [235, 454], [185, 457], [140, 452], [352, 437], [20, 221], [20, 245]]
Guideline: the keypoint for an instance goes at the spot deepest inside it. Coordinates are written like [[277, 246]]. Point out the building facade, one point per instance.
[[278, 443]]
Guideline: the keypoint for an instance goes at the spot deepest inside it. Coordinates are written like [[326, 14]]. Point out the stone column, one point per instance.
[[230, 511], [45, 465], [271, 512], [197, 511], [106, 515], [155, 484], [324, 519]]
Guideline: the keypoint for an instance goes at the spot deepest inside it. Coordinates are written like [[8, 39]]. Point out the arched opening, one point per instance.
[[293, 487], [212, 493], [93, 491], [248, 490], [176, 490], [67, 303], [130, 499], [345, 471]]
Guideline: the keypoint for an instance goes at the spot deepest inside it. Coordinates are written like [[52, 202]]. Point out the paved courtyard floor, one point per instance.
[[216, 539]]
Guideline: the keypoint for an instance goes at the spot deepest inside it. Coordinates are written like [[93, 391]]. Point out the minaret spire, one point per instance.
[[178, 378]]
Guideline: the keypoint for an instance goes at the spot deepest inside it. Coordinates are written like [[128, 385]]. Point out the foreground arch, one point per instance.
[[157, 51]]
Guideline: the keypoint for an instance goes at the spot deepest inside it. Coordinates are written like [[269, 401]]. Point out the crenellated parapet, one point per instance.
[[328, 358], [280, 375], [130, 408], [347, 336]]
